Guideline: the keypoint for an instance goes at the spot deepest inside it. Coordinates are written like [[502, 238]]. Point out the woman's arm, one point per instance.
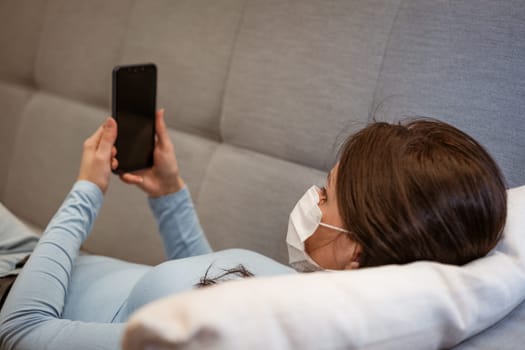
[[179, 225], [30, 318], [31, 315], [170, 200]]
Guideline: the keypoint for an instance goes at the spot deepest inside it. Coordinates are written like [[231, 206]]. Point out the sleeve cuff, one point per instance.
[[92, 191], [172, 200]]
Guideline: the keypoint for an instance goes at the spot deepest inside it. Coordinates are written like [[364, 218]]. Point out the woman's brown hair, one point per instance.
[[422, 190]]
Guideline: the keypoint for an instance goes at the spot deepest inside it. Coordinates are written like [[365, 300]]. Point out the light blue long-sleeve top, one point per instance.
[[64, 301]]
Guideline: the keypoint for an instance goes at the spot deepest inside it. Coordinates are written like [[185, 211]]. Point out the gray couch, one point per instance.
[[259, 94]]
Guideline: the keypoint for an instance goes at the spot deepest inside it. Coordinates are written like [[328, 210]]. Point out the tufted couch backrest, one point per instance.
[[259, 94]]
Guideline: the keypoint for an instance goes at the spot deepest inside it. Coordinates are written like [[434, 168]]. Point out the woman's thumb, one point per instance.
[[109, 135]]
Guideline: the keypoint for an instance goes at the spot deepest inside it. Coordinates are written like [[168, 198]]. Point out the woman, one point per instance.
[[399, 193]]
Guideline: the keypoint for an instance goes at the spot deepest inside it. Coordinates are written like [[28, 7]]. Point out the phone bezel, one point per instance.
[[114, 112]]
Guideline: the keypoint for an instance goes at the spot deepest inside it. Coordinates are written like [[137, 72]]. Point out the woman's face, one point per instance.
[[330, 248]]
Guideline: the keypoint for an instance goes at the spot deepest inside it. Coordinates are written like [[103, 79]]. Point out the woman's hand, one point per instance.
[[98, 157], [163, 178]]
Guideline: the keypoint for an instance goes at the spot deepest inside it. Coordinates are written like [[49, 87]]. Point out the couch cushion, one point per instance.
[[191, 43], [46, 155], [505, 334], [303, 71], [21, 23], [463, 64], [13, 99], [194, 154], [80, 43], [246, 198]]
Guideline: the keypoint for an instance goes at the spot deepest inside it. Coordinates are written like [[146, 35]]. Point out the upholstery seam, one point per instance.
[[205, 175], [381, 67], [229, 69], [23, 117], [223, 98]]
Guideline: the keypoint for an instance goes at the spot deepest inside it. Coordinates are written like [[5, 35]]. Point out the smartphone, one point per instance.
[[133, 107]]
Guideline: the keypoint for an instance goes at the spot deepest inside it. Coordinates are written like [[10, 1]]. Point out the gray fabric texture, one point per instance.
[[506, 334], [126, 218], [46, 155], [13, 99], [17, 242], [303, 75], [194, 154], [79, 44], [21, 23], [253, 195], [191, 42], [463, 64]]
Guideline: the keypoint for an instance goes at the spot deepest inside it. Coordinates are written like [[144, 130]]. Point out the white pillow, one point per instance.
[[422, 305]]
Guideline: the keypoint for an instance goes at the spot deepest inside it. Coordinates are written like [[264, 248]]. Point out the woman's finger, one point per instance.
[[93, 140], [132, 179], [114, 163], [108, 137], [161, 129]]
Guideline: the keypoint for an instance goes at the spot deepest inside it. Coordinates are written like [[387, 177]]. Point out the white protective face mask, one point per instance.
[[304, 220]]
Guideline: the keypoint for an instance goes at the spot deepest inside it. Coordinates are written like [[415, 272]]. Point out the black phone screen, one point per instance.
[[134, 97]]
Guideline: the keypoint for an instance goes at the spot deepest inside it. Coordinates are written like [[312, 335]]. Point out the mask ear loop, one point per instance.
[[334, 227]]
